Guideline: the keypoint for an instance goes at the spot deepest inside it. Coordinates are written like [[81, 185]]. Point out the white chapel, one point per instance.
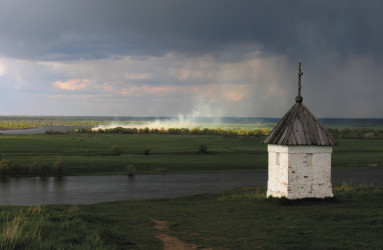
[[299, 152]]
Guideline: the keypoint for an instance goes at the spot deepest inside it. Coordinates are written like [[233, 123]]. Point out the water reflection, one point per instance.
[[93, 189]]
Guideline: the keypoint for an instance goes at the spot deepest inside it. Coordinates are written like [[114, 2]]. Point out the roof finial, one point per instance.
[[299, 98]]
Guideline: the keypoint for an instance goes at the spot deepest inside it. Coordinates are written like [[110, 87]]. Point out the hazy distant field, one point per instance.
[[25, 122], [96, 153]]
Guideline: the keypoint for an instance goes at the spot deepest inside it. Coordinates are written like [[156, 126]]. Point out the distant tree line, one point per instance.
[[345, 133], [7, 124], [177, 131]]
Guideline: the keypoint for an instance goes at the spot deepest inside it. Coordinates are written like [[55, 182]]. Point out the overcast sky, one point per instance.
[[205, 58]]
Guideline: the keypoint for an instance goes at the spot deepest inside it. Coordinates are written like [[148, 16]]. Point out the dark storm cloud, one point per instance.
[[46, 29], [247, 51]]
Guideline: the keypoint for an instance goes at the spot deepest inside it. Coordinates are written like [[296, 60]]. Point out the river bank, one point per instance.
[[95, 189]]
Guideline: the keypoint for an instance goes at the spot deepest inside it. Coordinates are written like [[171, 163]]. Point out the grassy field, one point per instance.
[[93, 154], [237, 219]]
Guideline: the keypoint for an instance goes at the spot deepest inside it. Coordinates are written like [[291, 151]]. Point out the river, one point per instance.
[[42, 130], [95, 189]]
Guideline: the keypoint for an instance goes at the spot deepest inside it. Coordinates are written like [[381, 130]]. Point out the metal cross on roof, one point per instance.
[[299, 98]]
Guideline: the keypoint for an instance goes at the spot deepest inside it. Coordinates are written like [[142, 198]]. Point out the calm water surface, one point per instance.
[[94, 189], [42, 130]]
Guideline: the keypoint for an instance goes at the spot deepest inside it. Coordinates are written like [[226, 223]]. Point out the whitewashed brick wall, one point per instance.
[[299, 171]]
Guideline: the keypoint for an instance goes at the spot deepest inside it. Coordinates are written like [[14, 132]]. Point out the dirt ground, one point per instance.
[[170, 242]]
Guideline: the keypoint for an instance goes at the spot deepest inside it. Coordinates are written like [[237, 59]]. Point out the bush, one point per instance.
[[147, 151], [43, 170], [58, 168], [117, 150], [17, 169], [203, 148], [131, 170], [34, 168], [55, 132], [4, 167], [25, 169], [195, 131], [84, 130]]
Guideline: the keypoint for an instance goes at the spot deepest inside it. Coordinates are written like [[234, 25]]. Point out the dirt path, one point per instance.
[[171, 242]]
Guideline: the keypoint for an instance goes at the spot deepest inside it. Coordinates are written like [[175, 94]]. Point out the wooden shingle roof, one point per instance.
[[299, 127]]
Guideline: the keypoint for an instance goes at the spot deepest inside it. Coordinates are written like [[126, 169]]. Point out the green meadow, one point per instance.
[[237, 219], [97, 154]]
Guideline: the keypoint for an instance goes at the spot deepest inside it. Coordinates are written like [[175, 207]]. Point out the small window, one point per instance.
[[309, 160], [277, 160]]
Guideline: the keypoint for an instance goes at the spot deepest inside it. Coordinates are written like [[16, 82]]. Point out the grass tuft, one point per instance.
[[244, 194], [38, 209], [38, 227]]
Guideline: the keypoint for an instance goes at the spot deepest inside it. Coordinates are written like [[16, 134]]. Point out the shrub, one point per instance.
[[203, 148], [147, 151], [34, 168], [43, 170], [55, 132], [154, 131], [17, 169], [4, 167], [84, 130], [58, 168], [131, 170], [117, 150], [195, 131], [25, 169]]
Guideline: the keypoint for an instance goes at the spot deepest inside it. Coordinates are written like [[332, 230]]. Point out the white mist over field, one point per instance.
[[202, 112], [179, 122]]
